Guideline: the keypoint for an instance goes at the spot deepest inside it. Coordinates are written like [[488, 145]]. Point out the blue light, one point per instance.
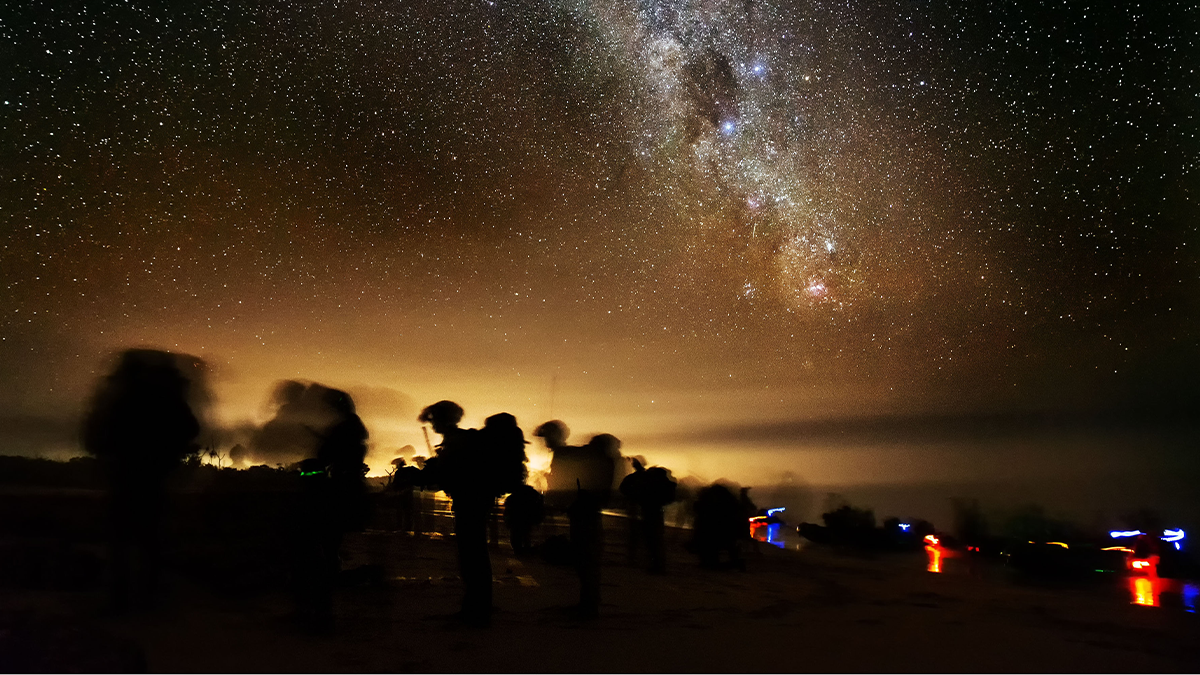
[[728, 127], [1117, 534], [771, 512], [773, 536], [905, 526], [1172, 535]]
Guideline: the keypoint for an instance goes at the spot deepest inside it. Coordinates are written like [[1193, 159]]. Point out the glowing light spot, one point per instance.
[[1057, 543], [932, 540], [728, 127], [1145, 592], [1118, 534], [1172, 535], [817, 289], [935, 558], [905, 526]]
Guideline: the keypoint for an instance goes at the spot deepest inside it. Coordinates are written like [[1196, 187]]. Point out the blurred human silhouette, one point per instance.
[[596, 465], [631, 490], [403, 485], [564, 470], [657, 490], [333, 502], [719, 528], [461, 468], [318, 540], [504, 447], [342, 448], [140, 426], [647, 492]]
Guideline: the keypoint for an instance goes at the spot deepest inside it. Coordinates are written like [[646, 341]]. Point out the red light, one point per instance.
[[1145, 591], [1146, 566], [935, 559], [932, 540]]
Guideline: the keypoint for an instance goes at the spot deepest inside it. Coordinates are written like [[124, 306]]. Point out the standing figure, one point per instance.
[[403, 486], [631, 489], [504, 447], [719, 527], [658, 490], [333, 502], [564, 469], [342, 449], [461, 468], [140, 426], [597, 463]]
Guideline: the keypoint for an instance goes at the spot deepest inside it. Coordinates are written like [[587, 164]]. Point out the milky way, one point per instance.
[[646, 214]]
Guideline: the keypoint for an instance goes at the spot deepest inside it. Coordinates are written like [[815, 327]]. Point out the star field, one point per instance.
[[709, 209]]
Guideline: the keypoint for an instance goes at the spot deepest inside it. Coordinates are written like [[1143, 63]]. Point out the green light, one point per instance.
[[311, 473]]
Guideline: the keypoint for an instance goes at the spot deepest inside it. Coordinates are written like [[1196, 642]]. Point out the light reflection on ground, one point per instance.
[[1149, 591], [1144, 589]]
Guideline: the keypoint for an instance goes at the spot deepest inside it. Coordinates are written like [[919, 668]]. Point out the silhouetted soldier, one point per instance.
[[333, 502], [342, 449], [597, 463], [461, 469], [140, 427], [318, 541], [719, 527], [658, 490], [564, 469], [631, 489], [405, 480], [504, 448]]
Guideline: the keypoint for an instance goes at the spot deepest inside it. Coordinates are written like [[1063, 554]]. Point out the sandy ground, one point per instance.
[[811, 610]]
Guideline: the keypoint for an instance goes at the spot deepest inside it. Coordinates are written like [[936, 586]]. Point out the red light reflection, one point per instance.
[[935, 558], [1145, 591]]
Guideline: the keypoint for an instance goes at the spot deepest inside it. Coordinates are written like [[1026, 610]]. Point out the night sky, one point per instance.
[[670, 220]]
